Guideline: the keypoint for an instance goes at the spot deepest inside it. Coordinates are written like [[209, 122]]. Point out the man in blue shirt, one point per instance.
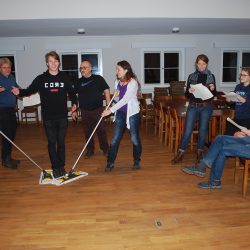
[[7, 112]]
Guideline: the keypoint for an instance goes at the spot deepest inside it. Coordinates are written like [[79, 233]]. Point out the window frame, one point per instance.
[[162, 51], [239, 52], [79, 53]]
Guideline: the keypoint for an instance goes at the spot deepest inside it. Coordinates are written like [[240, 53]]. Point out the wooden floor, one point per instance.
[[157, 207]]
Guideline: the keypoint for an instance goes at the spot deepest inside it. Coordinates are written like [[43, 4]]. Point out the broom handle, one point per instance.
[[20, 150], [92, 134]]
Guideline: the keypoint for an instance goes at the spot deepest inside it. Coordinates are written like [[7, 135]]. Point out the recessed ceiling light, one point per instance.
[[80, 31], [176, 30]]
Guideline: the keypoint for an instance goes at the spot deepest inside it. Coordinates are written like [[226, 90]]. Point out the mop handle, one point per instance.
[[20, 149], [92, 134]]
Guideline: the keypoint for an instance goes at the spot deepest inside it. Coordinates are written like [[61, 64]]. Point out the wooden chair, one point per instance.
[[30, 112], [223, 119], [180, 97], [147, 112], [157, 110], [177, 87], [148, 97], [164, 98], [246, 178], [167, 131], [174, 136], [17, 114], [162, 122], [160, 91]]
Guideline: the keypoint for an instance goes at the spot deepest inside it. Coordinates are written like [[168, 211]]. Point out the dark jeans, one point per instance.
[[90, 119], [56, 132], [203, 113], [120, 125], [222, 147], [8, 127]]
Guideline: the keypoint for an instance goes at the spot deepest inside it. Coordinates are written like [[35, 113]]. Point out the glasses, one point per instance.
[[85, 67], [244, 75]]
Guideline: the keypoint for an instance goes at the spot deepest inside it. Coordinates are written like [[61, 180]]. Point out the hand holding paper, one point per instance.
[[232, 96], [201, 91]]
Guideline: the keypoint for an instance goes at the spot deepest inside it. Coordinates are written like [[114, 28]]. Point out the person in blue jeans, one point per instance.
[[198, 109], [222, 147], [127, 114]]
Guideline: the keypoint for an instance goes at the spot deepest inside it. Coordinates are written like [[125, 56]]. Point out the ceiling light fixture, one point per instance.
[[80, 31], [176, 30]]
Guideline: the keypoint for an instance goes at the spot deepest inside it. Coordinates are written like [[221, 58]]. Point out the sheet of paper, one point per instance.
[[31, 100], [232, 95], [201, 91]]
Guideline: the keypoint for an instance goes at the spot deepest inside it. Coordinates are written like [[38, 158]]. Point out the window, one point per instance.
[[12, 59], [232, 62], [71, 62], [161, 67]]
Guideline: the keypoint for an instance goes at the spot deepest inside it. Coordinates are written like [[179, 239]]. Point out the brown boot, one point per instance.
[[199, 155], [178, 158]]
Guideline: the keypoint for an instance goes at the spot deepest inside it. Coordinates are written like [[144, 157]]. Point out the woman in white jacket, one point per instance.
[[127, 114]]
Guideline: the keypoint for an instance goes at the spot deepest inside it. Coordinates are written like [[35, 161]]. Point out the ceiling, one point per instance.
[[123, 26]]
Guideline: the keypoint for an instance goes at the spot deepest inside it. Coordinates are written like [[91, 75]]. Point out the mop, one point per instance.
[[74, 175], [46, 176]]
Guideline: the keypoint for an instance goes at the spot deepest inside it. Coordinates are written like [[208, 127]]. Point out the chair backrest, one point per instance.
[[177, 87], [160, 91], [181, 97], [147, 95], [164, 98]]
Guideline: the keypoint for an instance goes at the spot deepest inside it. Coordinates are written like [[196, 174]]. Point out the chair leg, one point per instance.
[[245, 178], [236, 169]]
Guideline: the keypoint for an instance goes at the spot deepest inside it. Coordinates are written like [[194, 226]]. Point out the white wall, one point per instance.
[[46, 9], [30, 51]]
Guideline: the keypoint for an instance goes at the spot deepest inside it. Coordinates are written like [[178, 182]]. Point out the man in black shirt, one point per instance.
[[91, 89], [53, 86]]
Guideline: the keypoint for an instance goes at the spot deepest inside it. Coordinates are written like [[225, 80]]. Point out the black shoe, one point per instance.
[[88, 154], [63, 171], [57, 173], [9, 163], [136, 165], [109, 167], [178, 158]]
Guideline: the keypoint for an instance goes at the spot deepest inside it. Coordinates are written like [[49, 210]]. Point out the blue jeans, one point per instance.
[[222, 147], [56, 132], [193, 113], [120, 125]]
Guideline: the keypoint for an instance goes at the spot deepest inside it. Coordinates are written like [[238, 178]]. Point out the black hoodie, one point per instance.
[[53, 90]]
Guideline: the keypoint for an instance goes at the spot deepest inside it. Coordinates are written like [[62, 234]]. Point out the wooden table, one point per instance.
[[220, 112]]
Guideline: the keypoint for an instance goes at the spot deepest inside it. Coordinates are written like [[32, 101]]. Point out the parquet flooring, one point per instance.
[[157, 207]]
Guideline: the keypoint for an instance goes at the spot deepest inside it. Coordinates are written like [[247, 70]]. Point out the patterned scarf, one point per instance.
[[194, 77]]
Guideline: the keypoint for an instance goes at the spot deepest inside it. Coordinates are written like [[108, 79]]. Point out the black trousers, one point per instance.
[[89, 119], [8, 127], [56, 132]]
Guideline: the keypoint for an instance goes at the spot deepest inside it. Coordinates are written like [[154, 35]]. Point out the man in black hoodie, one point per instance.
[[53, 86]]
